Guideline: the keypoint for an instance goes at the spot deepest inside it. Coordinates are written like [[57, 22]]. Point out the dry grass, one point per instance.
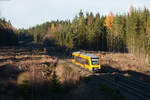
[[125, 62], [43, 66], [66, 75], [25, 61], [23, 77]]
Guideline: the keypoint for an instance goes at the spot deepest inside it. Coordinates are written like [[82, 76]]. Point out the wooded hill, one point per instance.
[[8, 34]]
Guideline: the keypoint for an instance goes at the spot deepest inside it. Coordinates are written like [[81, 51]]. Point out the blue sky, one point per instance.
[[28, 13]]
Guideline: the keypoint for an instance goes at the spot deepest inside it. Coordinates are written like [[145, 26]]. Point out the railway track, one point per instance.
[[3, 67], [132, 86]]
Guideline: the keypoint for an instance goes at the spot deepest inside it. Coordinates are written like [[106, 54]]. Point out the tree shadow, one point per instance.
[[8, 85], [129, 73]]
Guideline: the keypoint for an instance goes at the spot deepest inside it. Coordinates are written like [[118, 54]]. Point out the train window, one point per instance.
[[78, 59], [87, 61], [95, 61], [81, 60]]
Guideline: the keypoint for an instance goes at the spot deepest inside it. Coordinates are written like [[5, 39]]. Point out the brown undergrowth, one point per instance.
[[66, 75]]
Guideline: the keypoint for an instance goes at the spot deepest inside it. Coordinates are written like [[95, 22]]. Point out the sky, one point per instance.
[[28, 13]]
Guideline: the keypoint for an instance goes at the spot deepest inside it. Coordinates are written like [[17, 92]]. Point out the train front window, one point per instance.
[[95, 61]]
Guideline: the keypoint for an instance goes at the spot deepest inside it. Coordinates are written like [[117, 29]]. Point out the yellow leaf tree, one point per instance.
[[109, 21], [53, 27]]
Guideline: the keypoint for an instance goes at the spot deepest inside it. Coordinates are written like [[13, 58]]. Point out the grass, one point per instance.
[[66, 75], [55, 84], [23, 82], [125, 62], [25, 90], [110, 94], [67, 67], [52, 67], [60, 80], [23, 77]]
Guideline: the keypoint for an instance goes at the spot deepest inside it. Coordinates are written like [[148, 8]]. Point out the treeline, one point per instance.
[[8, 34], [138, 33], [124, 33], [40, 33], [127, 33]]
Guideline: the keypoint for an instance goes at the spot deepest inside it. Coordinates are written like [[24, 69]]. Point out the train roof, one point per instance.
[[86, 54]]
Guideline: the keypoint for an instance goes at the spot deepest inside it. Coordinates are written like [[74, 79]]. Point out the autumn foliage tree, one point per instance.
[[109, 20], [109, 23]]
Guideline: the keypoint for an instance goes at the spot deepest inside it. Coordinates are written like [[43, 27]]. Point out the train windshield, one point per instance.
[[95, 61]]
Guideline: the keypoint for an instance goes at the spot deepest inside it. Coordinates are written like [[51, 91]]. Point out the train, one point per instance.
[[87, 61]]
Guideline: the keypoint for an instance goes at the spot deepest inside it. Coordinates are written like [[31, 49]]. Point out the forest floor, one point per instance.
[[31, 74]]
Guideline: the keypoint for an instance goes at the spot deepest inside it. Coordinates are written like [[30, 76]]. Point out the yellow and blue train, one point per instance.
[[86, 60]]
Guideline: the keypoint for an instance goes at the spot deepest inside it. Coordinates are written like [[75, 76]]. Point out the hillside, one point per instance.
[[8, 35]]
